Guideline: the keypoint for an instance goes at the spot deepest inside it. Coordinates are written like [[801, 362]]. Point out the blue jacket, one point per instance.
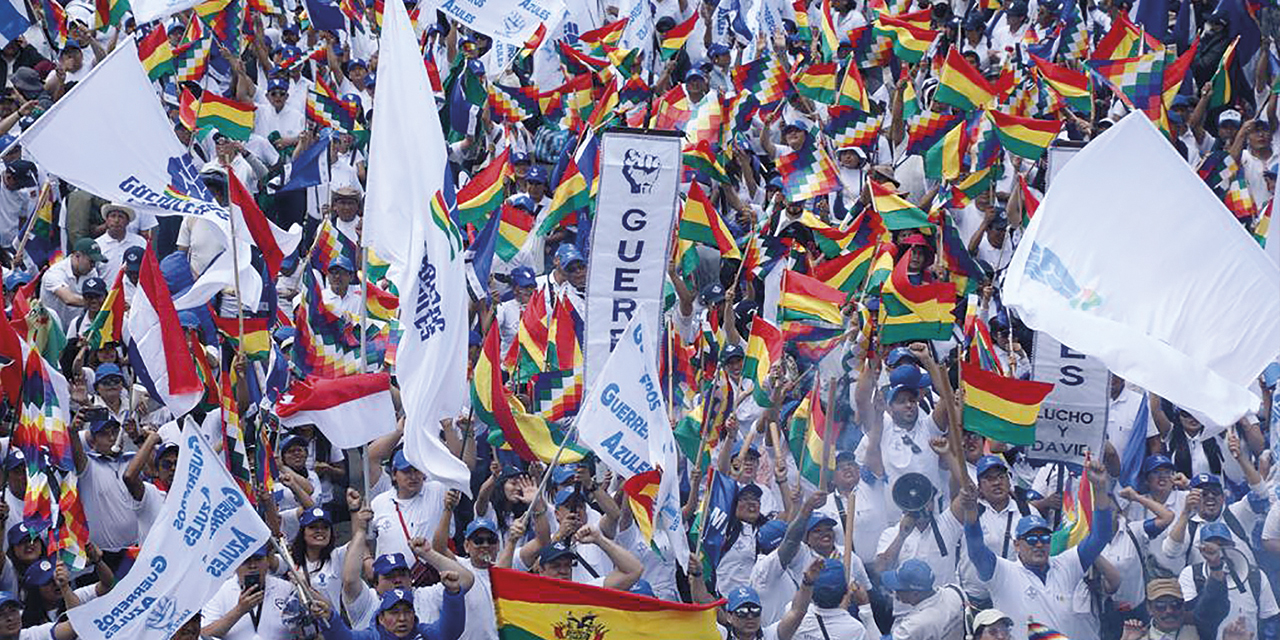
[[453, 617]]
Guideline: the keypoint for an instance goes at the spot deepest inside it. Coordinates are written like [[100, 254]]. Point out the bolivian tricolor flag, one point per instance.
[[1026, 137], [1220, 94], [818, 82], [962, 86], [231, 118], [256, 337], [513, 230], [808, 299], [156, 53], [108, 325], [806, 434], [1000, 408], [700, 223], [528, 435], [910, 41], [701, 159], [483, 193], [848, 271], [675, 37], [642, 491], [910, 312], [764, 348], [827, 26], [896, 212], [531, 607], [1071, 85]]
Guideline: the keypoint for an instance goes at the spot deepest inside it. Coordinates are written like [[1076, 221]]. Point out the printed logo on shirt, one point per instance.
[[579, 628], [1044, 266]]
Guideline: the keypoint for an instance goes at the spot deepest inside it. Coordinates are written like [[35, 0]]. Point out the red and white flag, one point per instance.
[[158, 350], [351, 411], [250, 224]]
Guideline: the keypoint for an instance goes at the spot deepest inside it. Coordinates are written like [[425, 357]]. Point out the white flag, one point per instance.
[[1132, 259], [406, 170], [624, 421], [205, 529]]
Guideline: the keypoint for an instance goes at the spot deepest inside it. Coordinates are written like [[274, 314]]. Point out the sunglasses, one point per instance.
[[1166, 605], [483, 540], [1038, 538], [747, 611]]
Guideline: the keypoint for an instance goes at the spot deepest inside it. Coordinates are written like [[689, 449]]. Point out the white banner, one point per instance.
[[509, 22], [147, 10], [639, 31], [624, 421], [1132, 259], [110, 136], [635, 210], [205, 529], [1073, 418]]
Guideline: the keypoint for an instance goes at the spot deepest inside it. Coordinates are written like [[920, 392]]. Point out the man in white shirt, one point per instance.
[[117, 239], [342, 295], [826, 618], [557, 560], [1228, 569], [1122, 411], [61, 286], [932, 614], [278, 121], [11, 623], [249, 606], [109, 509]]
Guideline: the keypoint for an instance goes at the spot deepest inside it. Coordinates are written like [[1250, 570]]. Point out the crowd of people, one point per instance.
[[918, 527]]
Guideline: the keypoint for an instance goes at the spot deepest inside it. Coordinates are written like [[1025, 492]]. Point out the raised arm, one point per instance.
[[132, 475], [796, 530], [790, 621], [444, 564], [1100, 533], [357, 548], [626, 566], [440, 537]]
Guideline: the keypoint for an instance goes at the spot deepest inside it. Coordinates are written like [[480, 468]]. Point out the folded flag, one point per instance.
[[251, 225], [191, 60], [807, 434], [809, 299], [256, 336], [1070, 85], [1220, 93], [927, 128], [1077, 509], [766, 78], [700, 223], [641, 491], [970, 186], [350, 411], [848, 271], [910, 41], [531, 607], [764, 349], [704, 162], [305, 167], [853, 91], [1025, 137], [1003, 409], [513, 104], [910, 312], [158, 352], [513, 229], [896, 212], [1138, 82]]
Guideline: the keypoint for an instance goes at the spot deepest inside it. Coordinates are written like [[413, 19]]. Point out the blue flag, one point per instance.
[[482, 252], [306, 165], [724, 492], [13, 20], [1135, 450], [325, 15], [1153, 15]]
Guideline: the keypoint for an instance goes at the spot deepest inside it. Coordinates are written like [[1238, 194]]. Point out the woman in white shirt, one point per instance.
[[313, 549]]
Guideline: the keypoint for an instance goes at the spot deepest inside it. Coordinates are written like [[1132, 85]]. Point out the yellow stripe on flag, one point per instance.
[[990, 403]]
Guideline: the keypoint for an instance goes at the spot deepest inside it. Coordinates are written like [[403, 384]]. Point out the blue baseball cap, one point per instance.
[[1157, 461], [400, 463], [730, 352], [314, 515], [907, 377], [692, 73], [897, 355], [107, 370], [987, 463], [711, 294], [816, 520], [555, 551], [912, 575], [769, 536], [39, 573], [342, 262], [568, 493], [480, 524], [740, 597], [165, 447], [751, 487], [7, 597], [474, 338], [1206, 480], [20, 533], [643, 588], [523, 277], [394, 597], [388, 562], [536, 174], [522, 201], [1027, 524], [564, 473], [567, 254], [98, 425], [278, 83], [291, 441], [831, 583], [1215, 531], [16, 458], [261, 552], [94, 286], [519, 157], [133, 259], [717, 49], [16, 279]]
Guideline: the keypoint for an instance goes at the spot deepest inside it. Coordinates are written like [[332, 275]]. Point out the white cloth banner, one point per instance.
[[624, 421], [1132, 259], [406, 169], [148, 10], [509, 22], [639, 31], [110, 136], [205, 529], [639, 183]]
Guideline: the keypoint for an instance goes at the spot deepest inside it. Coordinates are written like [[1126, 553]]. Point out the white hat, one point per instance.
[[1229, 115], [988, 617], [122, 208]]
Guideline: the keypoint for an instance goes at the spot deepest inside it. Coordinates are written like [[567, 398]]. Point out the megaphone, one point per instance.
[[912, 492]]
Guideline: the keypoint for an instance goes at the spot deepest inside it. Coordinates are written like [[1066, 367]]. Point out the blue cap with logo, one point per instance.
[[133, 259], [912, 575], [278, 83], [816, 520], [1205, 480], [1157, 461], [522, 201], [537, 175], [291, 441], [564, 473], [106, 371], [523, 277], [1215, 531], [566, 494], [314, 515], [555, 551], [394, 597], [480, 524], [16, 458], [567, 254], [20, 533], [388, 562], [769, 536], [643, 588], [1028, 524], [8, 597], [39, 573], [740, 597], [342, 262], [987, 463]]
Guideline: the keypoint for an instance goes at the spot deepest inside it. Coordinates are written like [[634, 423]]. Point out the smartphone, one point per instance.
[[95, 414], [252, 580]]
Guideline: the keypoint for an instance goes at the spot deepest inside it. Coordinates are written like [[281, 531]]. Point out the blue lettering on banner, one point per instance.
[[142, 194], [193, 477], [623, 411], [198, 523], [232, 500], [230, 555], [451, 7], [428, 319], [126, 611], [634, 462], [532, 7]]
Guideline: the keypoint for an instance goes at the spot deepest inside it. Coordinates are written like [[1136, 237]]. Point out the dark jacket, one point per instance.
[[449, 626]]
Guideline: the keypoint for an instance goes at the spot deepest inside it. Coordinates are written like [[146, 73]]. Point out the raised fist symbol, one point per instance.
[[641, 170]]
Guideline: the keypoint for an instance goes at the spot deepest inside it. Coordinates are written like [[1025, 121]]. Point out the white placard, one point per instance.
[[1073, 418], [639, 183]]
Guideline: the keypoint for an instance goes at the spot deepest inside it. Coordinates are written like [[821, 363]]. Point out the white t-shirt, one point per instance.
[[56, 277], [112, 513], [421, 513], [1239, 596], [270, 624], [481, 623], [1020, 593], [923, 545], [113, 250], [938, 617], [837, 623]]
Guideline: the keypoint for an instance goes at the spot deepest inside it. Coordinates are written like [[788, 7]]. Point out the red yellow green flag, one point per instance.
[[700, 223], [808, 299], [642, 491], [1026, 137], [483, 193], [962, 86], [1003, 409], [764, 348]]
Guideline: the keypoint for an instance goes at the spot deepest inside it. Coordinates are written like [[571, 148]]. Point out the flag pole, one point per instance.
[[31, 223], [828, 439], [364, 320], [546, 474], [235, 261]]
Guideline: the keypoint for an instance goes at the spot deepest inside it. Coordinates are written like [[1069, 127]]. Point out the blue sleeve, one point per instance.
[[452, 620], [1099, 534], [984, 560], [337, 629], [1152, 529]]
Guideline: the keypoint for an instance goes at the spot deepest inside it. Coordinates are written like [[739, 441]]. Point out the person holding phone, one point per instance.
[[110, 511], [251, 607]]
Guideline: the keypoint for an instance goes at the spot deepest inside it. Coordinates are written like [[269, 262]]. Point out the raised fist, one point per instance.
[[640, 170]]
